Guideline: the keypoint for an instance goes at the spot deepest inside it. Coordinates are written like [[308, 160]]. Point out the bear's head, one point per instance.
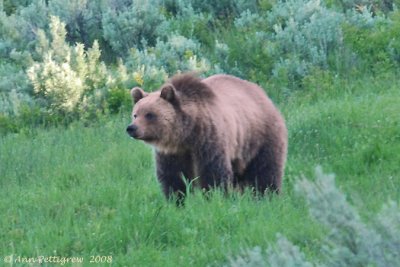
[[157, 117]]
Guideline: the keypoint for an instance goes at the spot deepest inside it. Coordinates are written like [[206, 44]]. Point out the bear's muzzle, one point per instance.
[[132, 130]]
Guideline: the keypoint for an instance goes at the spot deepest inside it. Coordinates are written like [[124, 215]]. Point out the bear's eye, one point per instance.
[[134, 116], [150, 116]]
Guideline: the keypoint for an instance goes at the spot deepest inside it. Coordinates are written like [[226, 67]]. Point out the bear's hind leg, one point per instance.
[[264, 172], [215, 174]]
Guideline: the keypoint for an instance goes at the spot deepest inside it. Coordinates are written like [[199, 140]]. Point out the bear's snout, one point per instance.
[[132, 130]]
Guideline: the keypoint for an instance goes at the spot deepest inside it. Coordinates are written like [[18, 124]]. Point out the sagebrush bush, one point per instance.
[[17, 44], [191, 24], [350, 241], [14, 89], [136, 25], [177, 54], [282, 254], [280, 44], [374, 40], [305, 35], [12, 101], [248, 21], [68, 78], [16, 30], [257, 63], [224, 9], [83, 19], [136, 73], [375, 6]]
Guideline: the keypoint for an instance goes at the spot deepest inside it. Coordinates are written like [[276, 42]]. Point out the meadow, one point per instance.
[[90, 191], [73, 184]]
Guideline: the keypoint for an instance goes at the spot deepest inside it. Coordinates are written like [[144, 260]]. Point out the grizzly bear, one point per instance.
[[223, 130]]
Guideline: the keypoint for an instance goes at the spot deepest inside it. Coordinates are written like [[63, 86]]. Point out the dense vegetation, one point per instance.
[[73, 184], [66, 60]]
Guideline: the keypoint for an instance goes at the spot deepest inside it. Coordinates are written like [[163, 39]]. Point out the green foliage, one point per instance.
[[283, 254], [68, 78], [192, 25], [118, 99], [136, 73], [10, 6], [350, 242], [224, 9], [105, 182], [245, 39], [377, 45], [82, 19], [176, 54], [279, 45], [375, 6], [134, 26], [18, 32], [14, 89], [82, 191], [359, 129], [7, 125], [306, 34]]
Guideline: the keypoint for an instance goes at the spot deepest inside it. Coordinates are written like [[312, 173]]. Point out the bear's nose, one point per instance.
[[131, 130]]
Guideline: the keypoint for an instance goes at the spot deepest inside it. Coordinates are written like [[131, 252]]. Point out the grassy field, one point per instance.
[[91, 191]]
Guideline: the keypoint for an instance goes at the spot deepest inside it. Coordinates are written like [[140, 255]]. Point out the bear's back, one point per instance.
[[245, 109], [239, 96]]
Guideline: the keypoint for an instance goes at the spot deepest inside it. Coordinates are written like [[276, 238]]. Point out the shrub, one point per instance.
[[68, 78], [7, 125], [192, 25], [133, 26], [283, 254], [248, 21], [244, 51], [176, 54], [12, 101], [136, 73], [18, 31], [11, 6], [82, 18], [350, 242], [17, 50], [374, 5], [14, 89], [257, 63], [375, 42], [118, 99], [306, 34], [179, 54], [224, 9]]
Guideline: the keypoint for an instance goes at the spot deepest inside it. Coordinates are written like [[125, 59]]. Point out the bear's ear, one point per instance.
[[168, 93], [137, 94]]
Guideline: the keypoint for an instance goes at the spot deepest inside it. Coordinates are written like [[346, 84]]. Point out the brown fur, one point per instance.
[[222, 129]]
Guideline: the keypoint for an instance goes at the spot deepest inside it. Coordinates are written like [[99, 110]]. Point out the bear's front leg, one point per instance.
[[170, 169]]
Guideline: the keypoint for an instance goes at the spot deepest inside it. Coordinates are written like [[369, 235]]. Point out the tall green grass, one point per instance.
[[87, 191]]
